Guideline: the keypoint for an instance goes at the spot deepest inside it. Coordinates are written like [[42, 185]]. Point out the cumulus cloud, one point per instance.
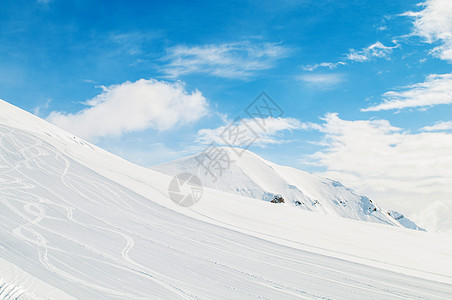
[[322, 80], [435, 90], [232, 60], [439, 126], [434, 24], [402, 171], [258, 131], [134, 106]]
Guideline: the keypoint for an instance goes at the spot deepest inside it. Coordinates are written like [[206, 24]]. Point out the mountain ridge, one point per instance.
[[253, 176]]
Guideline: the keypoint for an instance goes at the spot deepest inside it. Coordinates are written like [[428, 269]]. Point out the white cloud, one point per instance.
[[439, 126], [38, 109], [376, 50], [328, 65], [411, 173], [251, 130], [434, 24], [324, 80], [134, 106], [233, 60], [435, 90]]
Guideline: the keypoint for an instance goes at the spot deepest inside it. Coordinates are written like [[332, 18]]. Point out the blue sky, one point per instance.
[[189, 68]]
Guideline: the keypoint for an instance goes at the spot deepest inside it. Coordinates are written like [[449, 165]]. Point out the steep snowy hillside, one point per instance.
[[252, 176], [79, 222]]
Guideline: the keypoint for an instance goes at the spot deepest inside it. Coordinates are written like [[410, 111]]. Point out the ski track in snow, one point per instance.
[[9, 291], [99, 240]]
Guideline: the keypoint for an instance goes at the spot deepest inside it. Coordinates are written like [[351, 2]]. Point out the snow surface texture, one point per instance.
[[252, 176], [77, 221]]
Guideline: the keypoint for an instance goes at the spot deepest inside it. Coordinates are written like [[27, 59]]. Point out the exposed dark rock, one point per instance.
[[277, 199]]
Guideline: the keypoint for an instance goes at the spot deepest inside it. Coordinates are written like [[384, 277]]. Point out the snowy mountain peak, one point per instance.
[[252, 176]]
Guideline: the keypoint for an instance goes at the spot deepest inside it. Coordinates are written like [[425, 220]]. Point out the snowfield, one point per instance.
[[79, 222]]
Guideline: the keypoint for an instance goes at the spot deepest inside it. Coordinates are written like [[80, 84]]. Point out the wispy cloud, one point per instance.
[[323, 80], [434, 24], [328, 65], [409, 172], [435, 90], [231, 60], [250, 129], [38, 109], [439, 126], [134, 106], [376, 50]]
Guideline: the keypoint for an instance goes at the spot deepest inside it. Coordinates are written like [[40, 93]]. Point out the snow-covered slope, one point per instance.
[[79, 222], [252, 176]]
